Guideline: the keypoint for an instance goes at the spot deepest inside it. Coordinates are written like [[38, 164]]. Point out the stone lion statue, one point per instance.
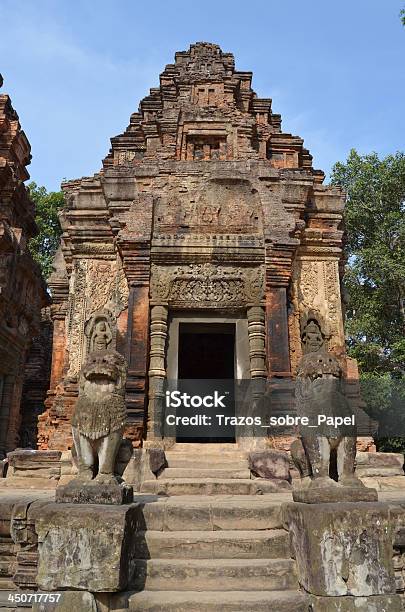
[[100, 415], [320, 391]]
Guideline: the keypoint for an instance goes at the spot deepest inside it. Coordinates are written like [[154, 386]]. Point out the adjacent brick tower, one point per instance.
[[22, 289]]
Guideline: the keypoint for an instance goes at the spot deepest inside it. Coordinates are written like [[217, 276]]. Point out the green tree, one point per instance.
[[44, 246], [402, 15], [375, 276]]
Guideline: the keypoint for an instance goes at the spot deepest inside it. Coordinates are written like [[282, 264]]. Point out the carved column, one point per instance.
[[257, 336], [58, 315], [250, 437], [157, 372]]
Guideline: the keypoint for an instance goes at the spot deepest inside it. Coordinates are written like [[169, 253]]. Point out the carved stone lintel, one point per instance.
[[207, 285]]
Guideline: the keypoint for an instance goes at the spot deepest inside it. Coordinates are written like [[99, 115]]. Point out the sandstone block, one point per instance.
[[82, 601], [384, 483], [270, 464], [260, 544], [377, 603], [33, 464], [378, 460], [378, 472], [231, 574], [342, 549], [212, 601], [144, 464], [334, 494], [22, 482], [29, 459], [89, 548], [93, 492]]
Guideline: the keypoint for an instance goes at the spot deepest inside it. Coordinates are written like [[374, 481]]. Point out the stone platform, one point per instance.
[[208, 543], [192, 553]]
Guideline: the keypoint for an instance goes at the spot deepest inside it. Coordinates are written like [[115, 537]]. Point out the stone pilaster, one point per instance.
[[157, 371]]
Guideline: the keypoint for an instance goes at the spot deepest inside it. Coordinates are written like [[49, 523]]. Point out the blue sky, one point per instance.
[[76, 70]]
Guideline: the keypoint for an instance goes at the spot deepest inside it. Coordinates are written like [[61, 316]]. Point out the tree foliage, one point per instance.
[[43, 247], [402, 15], [375, 277], [375, 250]]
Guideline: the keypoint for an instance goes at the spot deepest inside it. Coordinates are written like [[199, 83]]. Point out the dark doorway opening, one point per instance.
[[207, 352]]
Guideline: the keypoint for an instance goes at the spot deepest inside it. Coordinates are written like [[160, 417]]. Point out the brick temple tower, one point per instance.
[[206, 220]]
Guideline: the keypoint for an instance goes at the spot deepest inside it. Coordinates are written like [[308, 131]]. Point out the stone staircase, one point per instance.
[[209, 469], [207, 545]]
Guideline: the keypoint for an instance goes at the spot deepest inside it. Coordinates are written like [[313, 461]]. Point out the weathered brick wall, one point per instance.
[[22, 289], [36, 382]]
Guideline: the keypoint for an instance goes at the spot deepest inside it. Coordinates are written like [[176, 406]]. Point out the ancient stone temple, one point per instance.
[[207, 227], [22, 289], [207, 248]]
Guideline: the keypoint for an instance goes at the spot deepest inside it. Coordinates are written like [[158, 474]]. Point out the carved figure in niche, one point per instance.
[[100, 415], [100, 332], [101, 337], [329, 450]]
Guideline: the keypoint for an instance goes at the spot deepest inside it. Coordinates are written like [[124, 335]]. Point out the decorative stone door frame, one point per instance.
[[212, 288], [250, 354]]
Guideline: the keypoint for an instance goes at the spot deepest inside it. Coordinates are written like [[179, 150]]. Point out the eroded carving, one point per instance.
[[98, 293], [320, 391], [100, 415], [207, 284], [100, 332], [316, 286]]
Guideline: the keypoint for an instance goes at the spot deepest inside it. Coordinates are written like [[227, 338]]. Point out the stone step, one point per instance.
[[205, 448], [373, 472], [199, 473], [212, 601], [213, 486], [206, 463], [266, 544], [208, 513], [207, 574]]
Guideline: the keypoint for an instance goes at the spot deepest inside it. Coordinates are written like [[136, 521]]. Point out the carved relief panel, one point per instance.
[[316, 287], [230, 206], [207, 285], [98, 293]]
